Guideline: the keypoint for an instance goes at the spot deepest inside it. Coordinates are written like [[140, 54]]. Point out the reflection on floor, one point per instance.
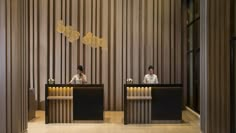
[[114, 124]]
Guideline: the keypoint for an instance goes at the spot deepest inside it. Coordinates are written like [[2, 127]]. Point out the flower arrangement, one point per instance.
[[51, 81], [129, 81]]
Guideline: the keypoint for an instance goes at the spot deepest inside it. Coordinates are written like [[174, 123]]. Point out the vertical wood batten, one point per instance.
[[111, 54], [142, 40], [166, 41], [135, 42], [67, 43], [128, 65], [8, 59], [57, 44], [70, 43], [78, 28], [172, 42], [18, 37], [51, 41], [217, 61], [75, 13], [81, 22], [27, 68], [118, 56], [221, 58], [105, 52], [212, 65], [160, 41], [98, 33], [36, 55], [43, 46], [178, 43], [124, 40], [149, 34], [135, 32], [155, 36], [203, 64], [31, 42], [227, 62], [3, 77], [63, 43], [87, 24], [93, 50]]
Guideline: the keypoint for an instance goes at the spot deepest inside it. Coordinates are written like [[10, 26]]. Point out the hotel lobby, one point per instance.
[[111, 66]]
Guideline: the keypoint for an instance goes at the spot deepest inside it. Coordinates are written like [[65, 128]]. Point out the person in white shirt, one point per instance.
[[150, 78], [80, 77]]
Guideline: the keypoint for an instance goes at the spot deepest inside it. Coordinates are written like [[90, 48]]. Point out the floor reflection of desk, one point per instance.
[[70, 103]]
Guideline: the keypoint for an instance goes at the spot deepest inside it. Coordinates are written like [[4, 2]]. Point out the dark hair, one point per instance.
[[80, 67], [150, 67]]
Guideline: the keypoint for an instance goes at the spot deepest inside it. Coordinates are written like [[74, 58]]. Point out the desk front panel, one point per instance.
[[68, 103], [149, 103]]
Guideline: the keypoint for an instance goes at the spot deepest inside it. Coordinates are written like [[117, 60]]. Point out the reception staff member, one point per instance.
[[80, 77], [150, 78]]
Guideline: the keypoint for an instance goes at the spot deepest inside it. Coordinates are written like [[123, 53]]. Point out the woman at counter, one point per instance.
[[80, 77], [150, 78]]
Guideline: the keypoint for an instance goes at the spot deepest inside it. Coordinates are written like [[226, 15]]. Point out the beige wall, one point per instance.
[[139, 33], [13, 66]]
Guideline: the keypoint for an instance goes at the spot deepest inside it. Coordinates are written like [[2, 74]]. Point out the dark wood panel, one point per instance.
[[167, 103], [166, 42], [88, 103], [179, 54]]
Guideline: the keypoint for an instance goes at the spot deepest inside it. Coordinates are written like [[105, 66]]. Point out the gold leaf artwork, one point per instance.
[[72, 35], [93, 41]]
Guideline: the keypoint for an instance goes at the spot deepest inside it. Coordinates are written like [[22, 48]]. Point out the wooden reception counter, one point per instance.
[[152, 103], [67, 103]]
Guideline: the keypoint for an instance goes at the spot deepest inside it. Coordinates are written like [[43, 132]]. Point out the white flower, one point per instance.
[[129, 80]]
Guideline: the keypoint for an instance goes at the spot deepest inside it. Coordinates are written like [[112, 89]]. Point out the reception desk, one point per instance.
[[73, 103], [152, 103]]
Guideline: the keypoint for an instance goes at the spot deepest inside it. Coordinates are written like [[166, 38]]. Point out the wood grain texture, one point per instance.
[[3, 68], [214, 66], [14, 69]]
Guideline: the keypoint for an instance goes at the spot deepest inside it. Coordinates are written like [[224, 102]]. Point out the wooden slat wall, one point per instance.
[[14, 68], [214, 66], [139, 33]]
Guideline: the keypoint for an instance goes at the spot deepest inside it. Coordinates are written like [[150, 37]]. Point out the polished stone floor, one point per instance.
[[114, 124]]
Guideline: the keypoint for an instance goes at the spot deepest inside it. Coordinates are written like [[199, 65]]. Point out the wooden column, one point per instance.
[[14, 66], [215, 66]]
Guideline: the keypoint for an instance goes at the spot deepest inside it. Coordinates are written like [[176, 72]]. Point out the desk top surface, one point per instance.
[[153, 85], [74, 85]]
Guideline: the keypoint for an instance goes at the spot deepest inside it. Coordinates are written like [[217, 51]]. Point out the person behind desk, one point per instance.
[[80, 77], [150, 78]]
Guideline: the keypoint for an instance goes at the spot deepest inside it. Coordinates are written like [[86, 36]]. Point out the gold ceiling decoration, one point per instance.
[[72, 35]]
